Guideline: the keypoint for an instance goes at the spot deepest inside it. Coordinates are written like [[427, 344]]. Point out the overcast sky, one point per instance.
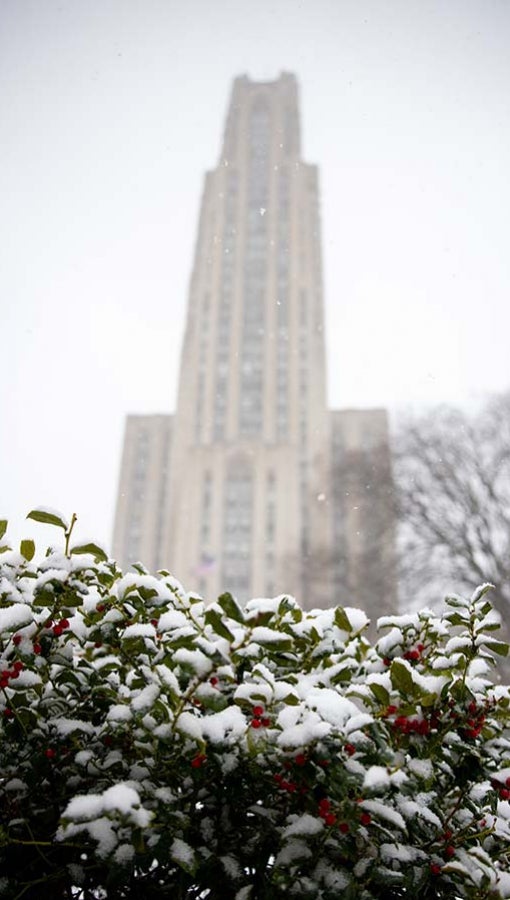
[[111, 111]]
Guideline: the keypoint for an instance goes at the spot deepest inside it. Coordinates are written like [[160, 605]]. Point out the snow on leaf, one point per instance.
[[303, 825], [384, 811], [183, 854], [15, 616]]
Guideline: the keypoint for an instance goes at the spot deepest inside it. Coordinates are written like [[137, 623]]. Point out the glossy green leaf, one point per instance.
[[498, 647], [48, 518], [342, 620], [94, 550], [231, 607], [27, 549], [380, 693], [213, 618], [401, 677]]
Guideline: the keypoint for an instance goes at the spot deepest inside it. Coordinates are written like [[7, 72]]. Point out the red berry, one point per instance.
[[50, 753], [278, 778], [450, 850], [435, 869], [387, 661], [17, 640], [391, 710], [504, 793], [198, 760], [350, 749], [290, 786], [324, 805], [256, 723], [258, 710], [4, 682], [330, 818], [8, 713], [447, 836], [37, 649], [421, 647], [265, 722], [343, 827], [100, 607], [14, 674], [473, 732], [57, 630], [507, 782], [18, 665], [5, 674], [64, 623], [300, 759], [213, 681], [98, 644], [154, 622], [365, 818]]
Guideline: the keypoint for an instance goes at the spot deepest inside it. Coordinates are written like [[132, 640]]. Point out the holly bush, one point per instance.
[[154, 745]]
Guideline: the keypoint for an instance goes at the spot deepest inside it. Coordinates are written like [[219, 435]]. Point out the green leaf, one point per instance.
[[456, 602], [290, 700], [44, 598], [486, 608], [380, 693], [342, 620], [498, 647], [94, 550], [231, 607], [3, 527], [492, 626], [481, 591], [401, 677], [344, 674], [47, 518], [27, 549], [428, 699], [456, 618], [213, 618], [260, 618], [275, 643], [184, 855]]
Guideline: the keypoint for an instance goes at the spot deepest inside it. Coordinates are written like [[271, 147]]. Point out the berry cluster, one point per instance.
[[330, 818], [259, 719], [502, 789], [411, 726], [474, 722], [412, 655], [415, 654], [58, 628], [198, 761], [7, 675], [289, 786]]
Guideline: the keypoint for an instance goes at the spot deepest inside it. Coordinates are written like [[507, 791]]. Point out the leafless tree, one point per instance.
[[452, 472], [358, 565]]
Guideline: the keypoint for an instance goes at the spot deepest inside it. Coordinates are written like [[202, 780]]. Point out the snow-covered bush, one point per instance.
[[153, 746]]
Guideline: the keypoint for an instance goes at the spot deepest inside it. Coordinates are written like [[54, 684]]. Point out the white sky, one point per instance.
[[111, 111]]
